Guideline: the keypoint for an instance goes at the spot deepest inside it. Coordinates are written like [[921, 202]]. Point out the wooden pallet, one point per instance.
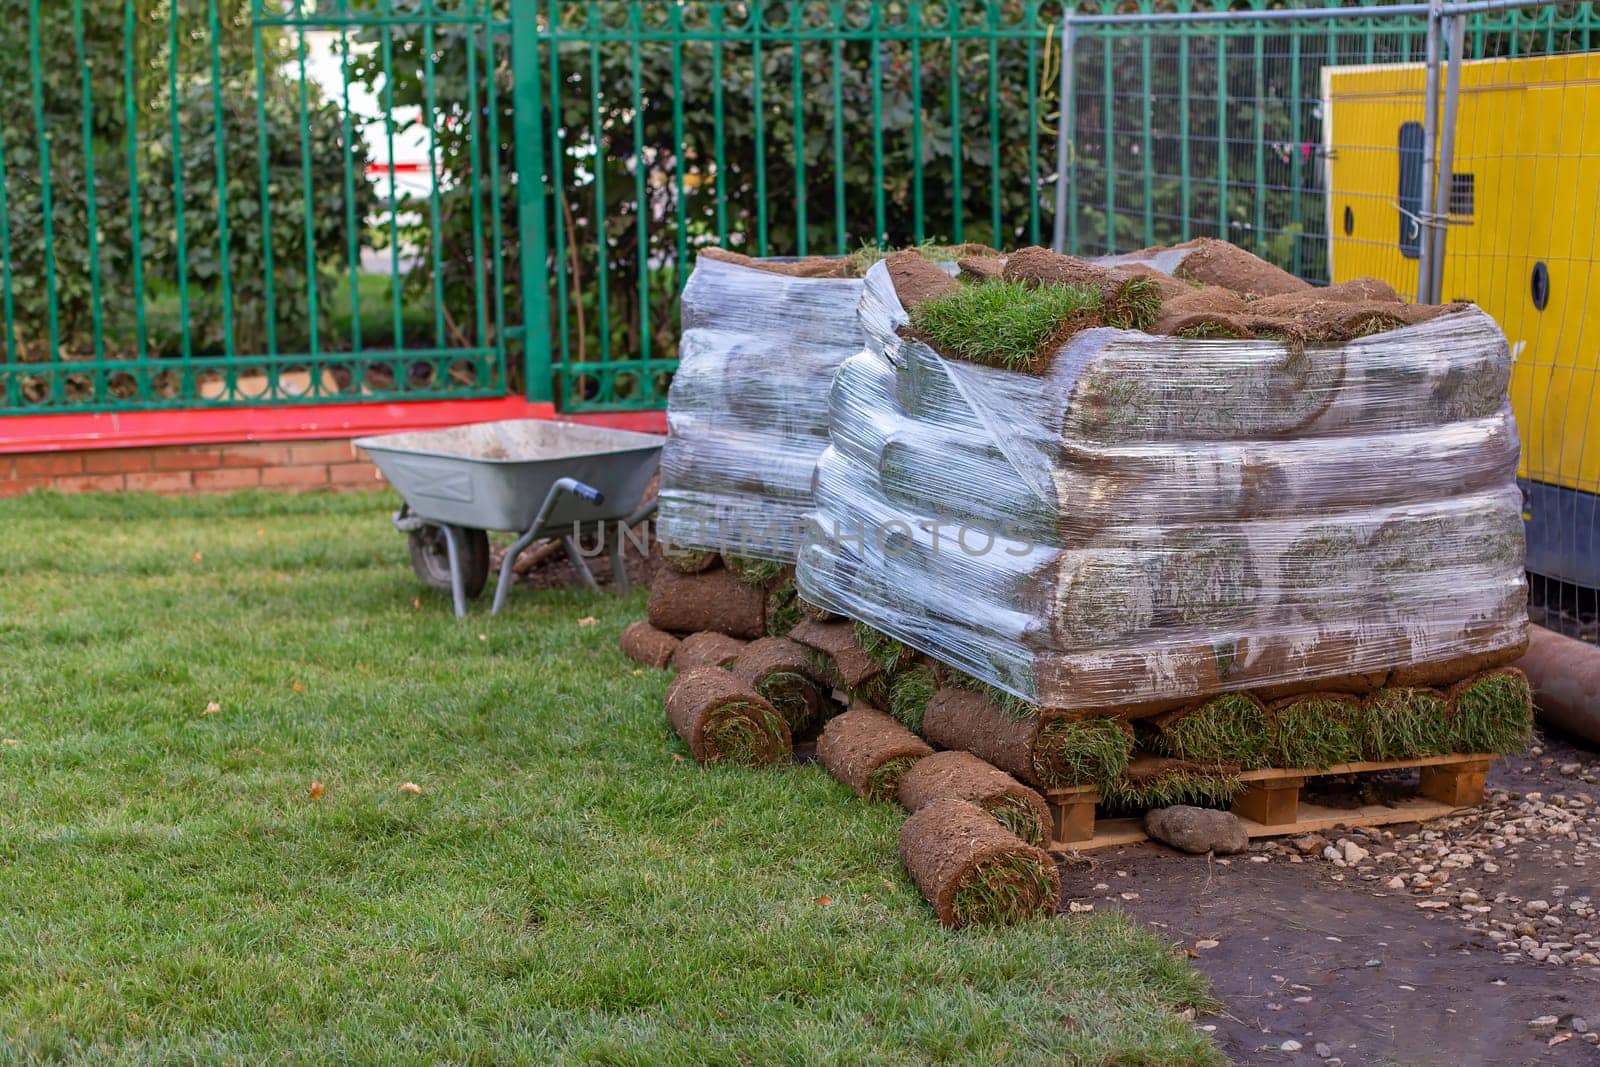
[[1270, 806]]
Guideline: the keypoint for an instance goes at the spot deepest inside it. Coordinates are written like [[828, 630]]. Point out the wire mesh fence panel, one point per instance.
[[241, 202], [1221, 129], [1309, 141]]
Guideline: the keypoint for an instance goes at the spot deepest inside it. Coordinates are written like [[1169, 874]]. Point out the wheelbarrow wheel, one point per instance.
[[430, 558]]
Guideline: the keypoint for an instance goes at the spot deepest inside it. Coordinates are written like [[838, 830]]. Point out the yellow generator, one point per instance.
[[1524, 206]]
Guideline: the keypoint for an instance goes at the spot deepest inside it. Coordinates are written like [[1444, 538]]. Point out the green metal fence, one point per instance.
[[231, 202], [197, 210]]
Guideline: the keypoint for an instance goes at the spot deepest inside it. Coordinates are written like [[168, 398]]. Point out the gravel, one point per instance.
[[1459, 867]]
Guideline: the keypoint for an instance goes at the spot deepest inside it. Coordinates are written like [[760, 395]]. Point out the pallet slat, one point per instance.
[[1271, 806]]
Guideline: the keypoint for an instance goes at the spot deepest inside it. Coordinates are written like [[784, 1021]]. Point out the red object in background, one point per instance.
[[132, 429]]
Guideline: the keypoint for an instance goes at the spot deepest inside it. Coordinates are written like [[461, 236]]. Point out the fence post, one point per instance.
[[1456, 29], [527, 123], [1430, 157], [1064, 120]]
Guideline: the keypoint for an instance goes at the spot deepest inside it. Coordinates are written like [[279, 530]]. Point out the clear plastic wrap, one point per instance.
[[1159, 517], [748, 409]]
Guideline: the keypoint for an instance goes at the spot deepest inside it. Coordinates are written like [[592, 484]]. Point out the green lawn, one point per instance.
[[566, 887]]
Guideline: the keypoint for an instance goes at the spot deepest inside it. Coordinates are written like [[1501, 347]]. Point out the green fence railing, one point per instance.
[[236, 202]]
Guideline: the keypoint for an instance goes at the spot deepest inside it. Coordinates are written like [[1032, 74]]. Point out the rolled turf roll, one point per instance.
[[854, 667], [1229, 728], [706, 649], [688, 560], [963, 776], [1490, 712], [780, 670], [1315, 730], [722, 720], [1214, 262], [1129, 300], [916, 280], [1446, 672], [714, 600], [1159, 782], [1051, 750], [648, 646], [868, 751], [973, 870], [1403, 722]]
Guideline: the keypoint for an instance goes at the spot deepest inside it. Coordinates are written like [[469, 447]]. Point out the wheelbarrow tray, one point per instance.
[[495, 475]]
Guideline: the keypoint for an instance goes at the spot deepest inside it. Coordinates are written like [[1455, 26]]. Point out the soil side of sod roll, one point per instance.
[[838, 640], [714, 600], [963, 776], [722, 720], [1049, 750], [707, 649], [780, 670], [973, 870], [648, 646], [869, 752], [916, 280]]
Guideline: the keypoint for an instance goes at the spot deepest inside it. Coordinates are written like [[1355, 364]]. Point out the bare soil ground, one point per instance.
[[1435, 947]]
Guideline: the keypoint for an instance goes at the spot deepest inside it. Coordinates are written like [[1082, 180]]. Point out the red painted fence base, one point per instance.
[[222, 450]]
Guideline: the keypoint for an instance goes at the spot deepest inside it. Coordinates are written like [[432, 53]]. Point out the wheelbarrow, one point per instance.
[[537, 477]]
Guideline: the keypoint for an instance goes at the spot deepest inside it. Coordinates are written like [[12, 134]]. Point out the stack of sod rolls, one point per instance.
[[1313, 491], [748, 407]]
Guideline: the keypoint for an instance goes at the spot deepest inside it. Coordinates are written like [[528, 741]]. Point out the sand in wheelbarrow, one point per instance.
[[780, 670], [722, 720], [707, 649], [963, 776], [714, 600], [648, 646], [869, 752], [973, 870]]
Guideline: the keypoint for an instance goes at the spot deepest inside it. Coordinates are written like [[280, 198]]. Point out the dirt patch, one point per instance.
[[1340, 955]]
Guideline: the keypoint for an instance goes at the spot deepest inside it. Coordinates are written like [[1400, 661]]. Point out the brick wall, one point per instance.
[[288, 465]]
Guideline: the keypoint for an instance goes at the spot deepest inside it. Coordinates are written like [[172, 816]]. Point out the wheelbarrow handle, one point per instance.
[[582, 491]]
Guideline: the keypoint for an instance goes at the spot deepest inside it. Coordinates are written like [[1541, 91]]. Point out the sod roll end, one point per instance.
[[722, 720], [963, 776], [781, 670], [648, 646], [973, 870], [869, 752]]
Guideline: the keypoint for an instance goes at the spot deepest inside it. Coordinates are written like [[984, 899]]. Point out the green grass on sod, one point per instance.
[[567, 886], [1002, 323]]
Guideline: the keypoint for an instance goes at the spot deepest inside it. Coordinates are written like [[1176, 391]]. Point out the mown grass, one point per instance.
[[567, 886]]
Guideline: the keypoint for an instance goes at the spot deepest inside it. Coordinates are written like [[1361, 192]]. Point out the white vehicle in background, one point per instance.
[[398, 152]]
